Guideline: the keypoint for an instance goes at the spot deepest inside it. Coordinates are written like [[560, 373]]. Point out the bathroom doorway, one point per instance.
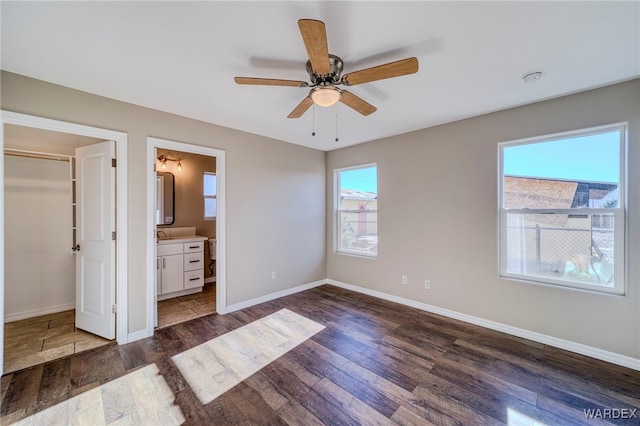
[[185, 209], [185, 205], [39, 286]]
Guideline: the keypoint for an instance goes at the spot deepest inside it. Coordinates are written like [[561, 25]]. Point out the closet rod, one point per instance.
[[39, 155]]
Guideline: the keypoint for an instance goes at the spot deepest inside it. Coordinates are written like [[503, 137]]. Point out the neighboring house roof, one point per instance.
[[528, 192], [353, 194]]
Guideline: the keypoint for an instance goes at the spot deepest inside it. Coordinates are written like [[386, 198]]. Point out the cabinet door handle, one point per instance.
[[164, 263], [194, 247], [194, 261], [194, 279]]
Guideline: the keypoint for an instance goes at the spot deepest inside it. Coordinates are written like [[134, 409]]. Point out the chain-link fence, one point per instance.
[[565, 247]]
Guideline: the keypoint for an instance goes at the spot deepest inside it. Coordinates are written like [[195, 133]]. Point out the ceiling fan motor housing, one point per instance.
[[333, 77]]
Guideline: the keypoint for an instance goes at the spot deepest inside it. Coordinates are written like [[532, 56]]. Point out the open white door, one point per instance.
[[95, 249]]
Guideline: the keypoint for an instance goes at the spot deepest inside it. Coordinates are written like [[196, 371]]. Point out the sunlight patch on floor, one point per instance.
[[140, 397], [216, 366], [516, 418]]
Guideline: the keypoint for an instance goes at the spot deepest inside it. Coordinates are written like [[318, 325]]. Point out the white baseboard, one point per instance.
[[579, 348], [179, 293], [39, 311], [276, 295]]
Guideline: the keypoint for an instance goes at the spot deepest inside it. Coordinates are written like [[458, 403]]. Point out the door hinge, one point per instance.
[[114, 309], [113, 235], [113, 162], [154, 168]]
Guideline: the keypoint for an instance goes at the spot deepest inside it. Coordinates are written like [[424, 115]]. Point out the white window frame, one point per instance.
[[209, 197], [339, 211], [619, 213]]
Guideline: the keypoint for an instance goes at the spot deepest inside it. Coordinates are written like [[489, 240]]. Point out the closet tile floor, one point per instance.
[[185, 308], [36, 340]]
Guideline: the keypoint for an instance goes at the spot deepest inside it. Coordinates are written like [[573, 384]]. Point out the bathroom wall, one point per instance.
[[189, 199], [39, 268]]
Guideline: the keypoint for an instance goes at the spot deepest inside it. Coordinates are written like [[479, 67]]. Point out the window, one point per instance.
[[562, 209], [210, 194], [357, 210]]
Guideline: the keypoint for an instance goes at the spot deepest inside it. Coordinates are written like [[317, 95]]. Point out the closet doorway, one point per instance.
[[42, 240]]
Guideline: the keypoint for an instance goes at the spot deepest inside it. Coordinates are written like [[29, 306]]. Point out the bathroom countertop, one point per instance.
[[181, 239]]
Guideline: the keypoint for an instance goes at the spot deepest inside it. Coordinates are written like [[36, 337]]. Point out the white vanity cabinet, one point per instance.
[[171, 273], [180, 268]]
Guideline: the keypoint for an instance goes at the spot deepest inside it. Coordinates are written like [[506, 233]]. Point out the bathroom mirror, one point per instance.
[[165, 203]]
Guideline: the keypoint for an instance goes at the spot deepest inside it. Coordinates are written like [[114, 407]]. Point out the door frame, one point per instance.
[[221, 270], [120, 138]]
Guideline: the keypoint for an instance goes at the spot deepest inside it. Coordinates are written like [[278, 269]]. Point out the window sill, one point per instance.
[[358, 255], [563, 285]]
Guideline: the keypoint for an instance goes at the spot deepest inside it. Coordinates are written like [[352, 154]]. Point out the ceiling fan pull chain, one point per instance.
[[337, 124], [313, 128]]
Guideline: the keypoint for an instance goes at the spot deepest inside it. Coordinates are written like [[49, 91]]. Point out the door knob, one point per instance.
[[75, 248]]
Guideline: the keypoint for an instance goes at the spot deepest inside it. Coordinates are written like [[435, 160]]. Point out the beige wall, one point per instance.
[[437, 198], [38, 214], [265, 231], [437, 194]]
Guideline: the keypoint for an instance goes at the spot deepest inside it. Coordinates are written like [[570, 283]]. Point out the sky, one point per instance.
[[591, 158], [360, 179]]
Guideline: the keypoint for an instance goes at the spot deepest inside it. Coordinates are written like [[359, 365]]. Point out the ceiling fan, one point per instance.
[[325, 74]]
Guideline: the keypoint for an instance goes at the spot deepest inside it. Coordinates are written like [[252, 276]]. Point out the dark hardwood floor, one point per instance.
[[375, 362]]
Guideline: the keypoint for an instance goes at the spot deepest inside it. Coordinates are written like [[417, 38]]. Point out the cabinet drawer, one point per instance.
[[167, 249], [193, 247], [193, 261], [193, 279]]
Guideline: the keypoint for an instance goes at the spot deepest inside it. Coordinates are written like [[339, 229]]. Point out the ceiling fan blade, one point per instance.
[[269, 82], [351, 100], [380, 72], [301, 108], [314, 36]]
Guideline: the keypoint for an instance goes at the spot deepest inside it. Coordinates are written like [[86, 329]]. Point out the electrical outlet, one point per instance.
[[427, 284], [274, 275], [404, 279]]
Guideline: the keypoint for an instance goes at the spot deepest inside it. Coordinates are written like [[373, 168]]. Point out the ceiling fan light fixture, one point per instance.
[[325, 96]]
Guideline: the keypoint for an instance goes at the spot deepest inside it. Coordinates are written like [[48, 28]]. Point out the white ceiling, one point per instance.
[[181, 57]]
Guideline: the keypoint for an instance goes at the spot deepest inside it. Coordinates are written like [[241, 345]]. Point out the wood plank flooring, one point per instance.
[[374, 363]]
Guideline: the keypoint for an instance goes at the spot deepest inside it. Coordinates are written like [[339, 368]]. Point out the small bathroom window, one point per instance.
[[210, 196]]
